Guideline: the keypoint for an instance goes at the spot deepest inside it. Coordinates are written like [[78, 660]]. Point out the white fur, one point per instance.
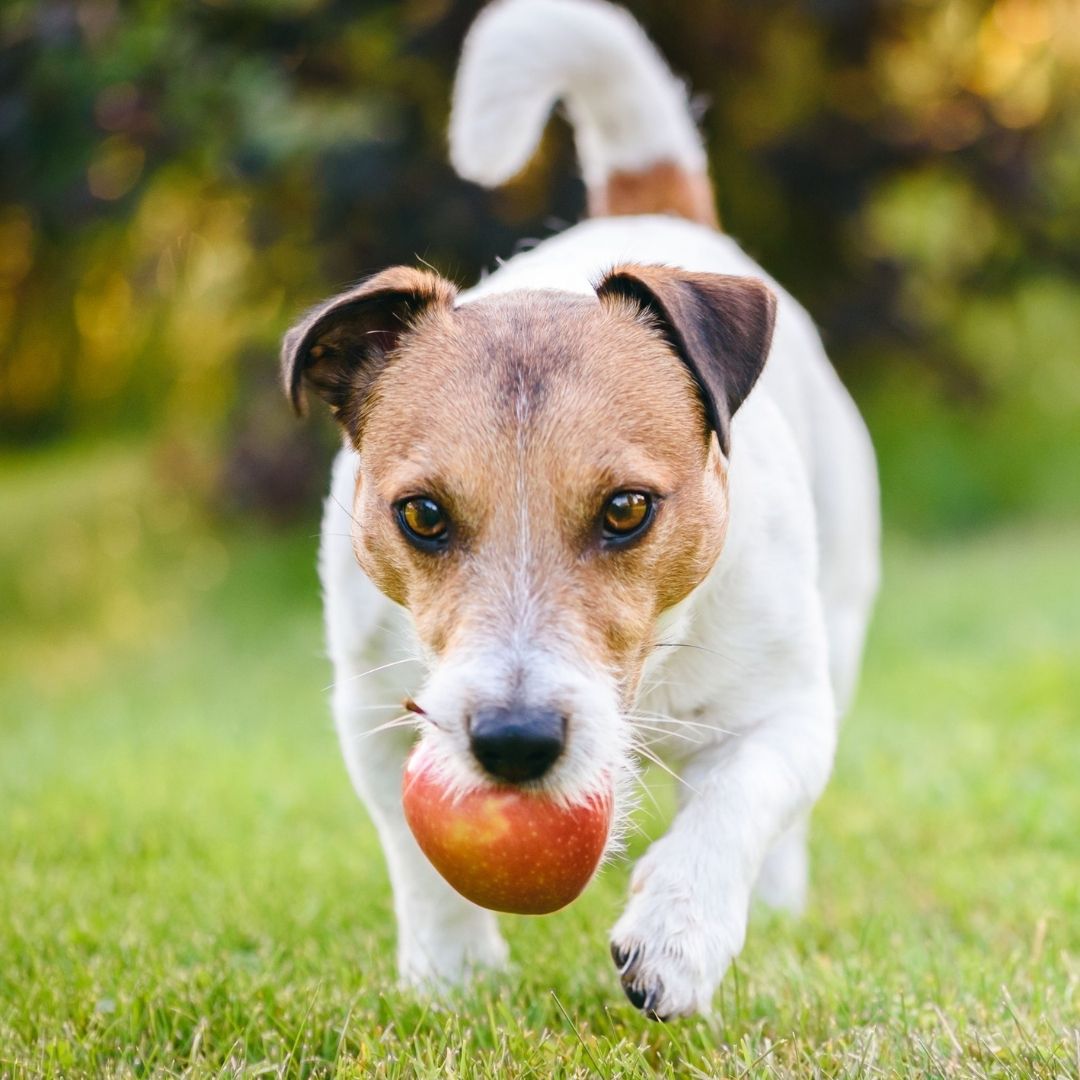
[[775, 632], [522, 56]]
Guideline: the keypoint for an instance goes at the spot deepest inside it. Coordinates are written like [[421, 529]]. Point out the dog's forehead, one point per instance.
[[576, 386], [523, 353]]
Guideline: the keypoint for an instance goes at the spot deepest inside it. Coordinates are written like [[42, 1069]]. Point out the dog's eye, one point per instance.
[[423, 521], [626, 514]]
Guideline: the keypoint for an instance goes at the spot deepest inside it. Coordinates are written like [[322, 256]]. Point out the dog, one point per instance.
[[611, 500]]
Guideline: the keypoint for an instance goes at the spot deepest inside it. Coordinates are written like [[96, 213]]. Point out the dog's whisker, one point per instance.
[[655, 683], [663, 733], [730, 657], [652, 798], [682, 645], [691, 724], [402, 635], [655, 759], [663, 718], [406, 720], [373, 671], [344, 509], [652, 713]]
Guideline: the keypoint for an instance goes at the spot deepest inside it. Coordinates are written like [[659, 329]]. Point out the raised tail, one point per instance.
[[639, 149]]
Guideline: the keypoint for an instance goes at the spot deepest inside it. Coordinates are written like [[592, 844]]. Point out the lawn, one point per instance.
[[188, 885]]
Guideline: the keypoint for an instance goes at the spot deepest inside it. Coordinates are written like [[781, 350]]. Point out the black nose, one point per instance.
[[515, 743]]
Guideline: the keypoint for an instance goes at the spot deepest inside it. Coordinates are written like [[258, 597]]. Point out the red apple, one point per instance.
[[504, 848]]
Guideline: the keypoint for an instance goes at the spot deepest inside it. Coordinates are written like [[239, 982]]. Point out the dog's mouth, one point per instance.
[[572, 759], [512, 745], [536, 752], [540, 723]]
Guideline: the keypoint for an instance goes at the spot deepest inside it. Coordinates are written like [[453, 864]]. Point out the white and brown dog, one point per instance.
[[553, 479]]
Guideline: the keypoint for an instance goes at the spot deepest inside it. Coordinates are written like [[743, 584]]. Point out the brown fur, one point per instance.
[[721, 326], [539, 404], [521, 414], [663, 188], [326, 346]]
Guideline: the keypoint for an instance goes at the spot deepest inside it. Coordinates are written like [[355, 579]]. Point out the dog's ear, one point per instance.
[[720, 326], [339, 347]]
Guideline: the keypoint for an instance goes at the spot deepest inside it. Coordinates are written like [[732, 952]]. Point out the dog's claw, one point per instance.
[[652, 999], [645, 999], [624, 958]]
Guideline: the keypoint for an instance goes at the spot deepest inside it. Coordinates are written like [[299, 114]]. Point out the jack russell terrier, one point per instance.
[[577, 508]]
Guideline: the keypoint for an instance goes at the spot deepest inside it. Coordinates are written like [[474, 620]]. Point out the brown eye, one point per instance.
[[423, 521], [626, 514]]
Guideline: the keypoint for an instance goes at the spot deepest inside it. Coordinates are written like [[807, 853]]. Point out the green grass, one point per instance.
[[188, 885]]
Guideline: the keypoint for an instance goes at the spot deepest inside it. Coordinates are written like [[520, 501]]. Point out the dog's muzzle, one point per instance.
[[516, 743]]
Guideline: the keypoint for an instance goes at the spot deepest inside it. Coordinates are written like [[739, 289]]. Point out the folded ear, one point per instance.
[[720, 326], [339, 347]]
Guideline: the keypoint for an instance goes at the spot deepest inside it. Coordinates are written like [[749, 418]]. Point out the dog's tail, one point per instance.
[[639, 148]]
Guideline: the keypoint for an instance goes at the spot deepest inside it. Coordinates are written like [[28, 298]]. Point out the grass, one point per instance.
[[188, 885]]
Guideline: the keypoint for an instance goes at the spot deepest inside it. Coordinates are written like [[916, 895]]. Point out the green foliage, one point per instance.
[[180, 179], [190, 886]]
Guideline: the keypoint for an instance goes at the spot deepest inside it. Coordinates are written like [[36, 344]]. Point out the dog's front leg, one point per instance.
[[690, 893], [442, 937]]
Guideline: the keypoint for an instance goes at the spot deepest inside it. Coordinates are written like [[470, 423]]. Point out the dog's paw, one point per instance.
[[673, 944], [661, 979]]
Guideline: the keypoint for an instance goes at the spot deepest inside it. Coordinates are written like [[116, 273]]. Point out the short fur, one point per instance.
[[663, 188], [727, 638]]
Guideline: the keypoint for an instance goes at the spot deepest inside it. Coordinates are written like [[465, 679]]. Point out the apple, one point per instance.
[[502, 847]]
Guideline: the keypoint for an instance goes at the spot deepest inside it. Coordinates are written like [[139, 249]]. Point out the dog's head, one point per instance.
[[542, 475]]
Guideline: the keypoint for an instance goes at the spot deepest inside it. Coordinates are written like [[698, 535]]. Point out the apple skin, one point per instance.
[[504, 848]]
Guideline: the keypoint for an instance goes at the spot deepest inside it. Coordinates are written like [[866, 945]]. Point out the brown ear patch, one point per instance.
[[720, 326], [339, 347]]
